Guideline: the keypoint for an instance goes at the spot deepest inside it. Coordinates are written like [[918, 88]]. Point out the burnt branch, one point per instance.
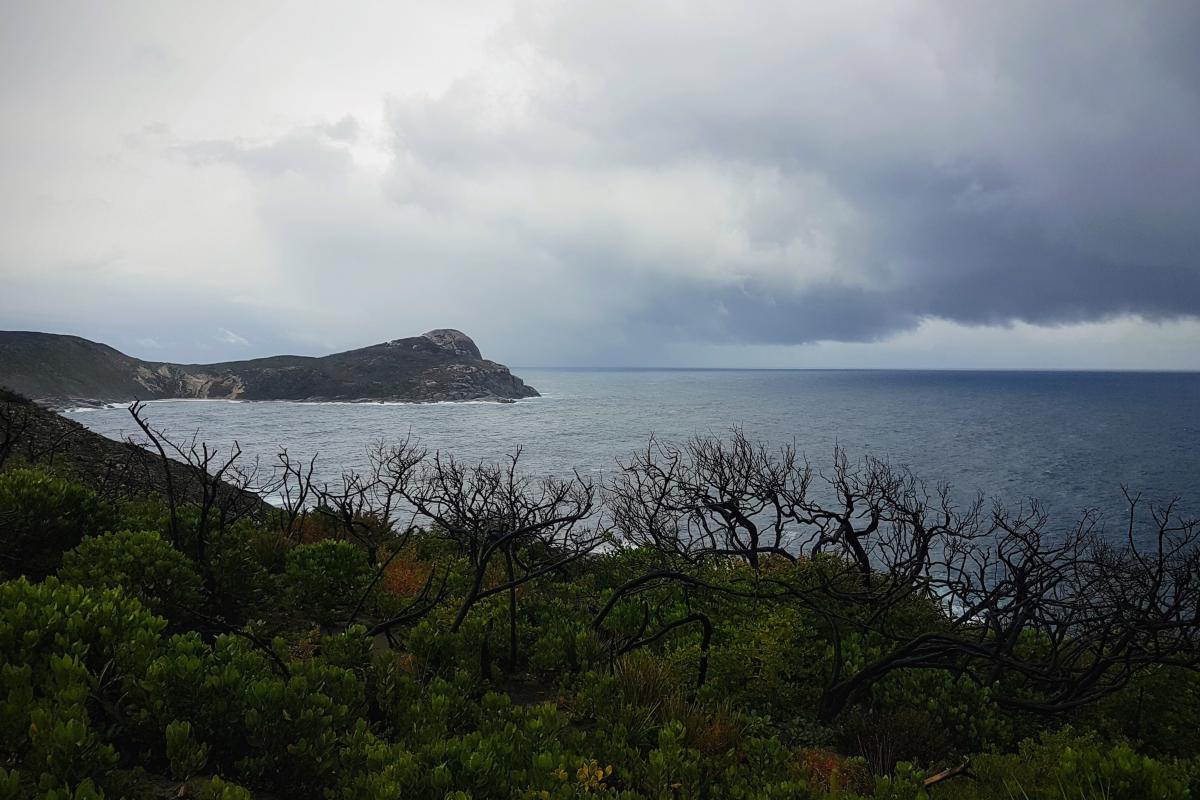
[[510, 528], [1051, 619]]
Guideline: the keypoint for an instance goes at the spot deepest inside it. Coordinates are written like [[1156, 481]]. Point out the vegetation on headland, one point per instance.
[[719, 620]]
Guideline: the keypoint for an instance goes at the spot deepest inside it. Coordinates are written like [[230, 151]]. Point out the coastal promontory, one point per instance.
[[441, 365]]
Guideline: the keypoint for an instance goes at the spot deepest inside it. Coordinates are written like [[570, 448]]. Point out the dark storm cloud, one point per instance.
[[766, 315], [1033, 163]]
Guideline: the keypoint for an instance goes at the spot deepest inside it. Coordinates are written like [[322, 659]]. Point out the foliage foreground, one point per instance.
[[717, 622]]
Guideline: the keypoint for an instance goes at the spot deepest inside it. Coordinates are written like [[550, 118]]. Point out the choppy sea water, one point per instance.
[[1070, 439]]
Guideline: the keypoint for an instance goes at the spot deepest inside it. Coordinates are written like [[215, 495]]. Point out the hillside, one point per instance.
[[440, 365], [32, 436]]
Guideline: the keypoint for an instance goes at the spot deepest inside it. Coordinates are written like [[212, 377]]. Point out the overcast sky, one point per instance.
[[676, 184]]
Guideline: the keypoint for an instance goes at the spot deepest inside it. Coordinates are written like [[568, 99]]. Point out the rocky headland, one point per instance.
[[442, 365]]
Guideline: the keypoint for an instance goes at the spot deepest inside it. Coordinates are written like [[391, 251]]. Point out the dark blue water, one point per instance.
[[1070, 439]]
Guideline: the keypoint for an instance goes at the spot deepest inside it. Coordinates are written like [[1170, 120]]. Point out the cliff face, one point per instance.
[[440, 365]]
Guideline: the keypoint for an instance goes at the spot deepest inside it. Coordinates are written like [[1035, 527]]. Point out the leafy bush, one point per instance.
[[240, 556], [767, 662], [325, 579], [255, 724], [1157, 712], [562, 642], [926, 714], [68, 660], [205, 686], [241, 584], [294, 726], [218, 789], [350, 649], [1065, 764], [41, 516], [140, 563], [187, 756], [1118, 773]]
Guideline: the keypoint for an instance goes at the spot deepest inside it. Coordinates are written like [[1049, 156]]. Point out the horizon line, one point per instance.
[[627, 368]]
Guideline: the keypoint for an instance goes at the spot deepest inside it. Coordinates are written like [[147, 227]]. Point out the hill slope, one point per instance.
[[37, 437], [440, 365]]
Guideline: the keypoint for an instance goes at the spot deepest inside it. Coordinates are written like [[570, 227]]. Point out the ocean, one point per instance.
[[1069, 439]]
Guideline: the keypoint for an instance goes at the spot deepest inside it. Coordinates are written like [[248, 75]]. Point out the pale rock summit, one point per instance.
[[455, 341]]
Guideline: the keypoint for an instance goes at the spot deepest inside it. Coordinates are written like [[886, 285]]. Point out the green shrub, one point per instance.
[[86, 790], [671, 766], [1065, 765], [104, 629], [206, 686], [283, 732], [1157, 712], [186, 755], [239, 570], [295, 727], [325, 579], [10, 782], [1118, 773], [483, 636], [218, 789], [767, 662], [142, 564], [269, 549], [350, 649], [90, 693], [241, 585], [370, 768], [147, 514], [954, 715], [905, 783], [563, 643], [68, 660], [41, 516]]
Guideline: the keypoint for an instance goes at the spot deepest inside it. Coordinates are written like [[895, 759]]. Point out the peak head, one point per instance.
[[455, 341]]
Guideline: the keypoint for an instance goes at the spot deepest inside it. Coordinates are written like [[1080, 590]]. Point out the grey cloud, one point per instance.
[[1033, 163], [345, 129], [755, 313], [302, 152], [643, 180]]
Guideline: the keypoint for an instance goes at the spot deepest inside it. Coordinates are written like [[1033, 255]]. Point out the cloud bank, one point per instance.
[[619, 183]]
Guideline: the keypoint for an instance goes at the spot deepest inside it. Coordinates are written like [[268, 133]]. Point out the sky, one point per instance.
[[737, 184]]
